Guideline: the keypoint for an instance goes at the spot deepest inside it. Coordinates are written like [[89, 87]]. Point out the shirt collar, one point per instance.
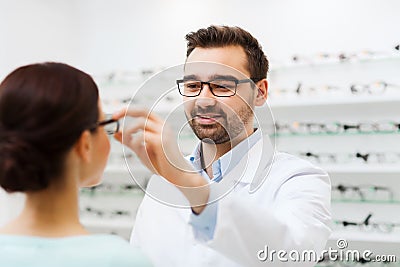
[[229, 160]]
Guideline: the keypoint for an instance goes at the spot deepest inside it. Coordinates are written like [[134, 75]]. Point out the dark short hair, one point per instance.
[[221, 36], [44, 108]]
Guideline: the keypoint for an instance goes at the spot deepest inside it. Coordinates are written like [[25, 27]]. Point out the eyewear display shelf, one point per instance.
[[344, 117], [325, 97]]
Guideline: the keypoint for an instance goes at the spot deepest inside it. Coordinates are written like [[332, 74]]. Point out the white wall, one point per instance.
[[132, 34], [33, 31], [103, 35]]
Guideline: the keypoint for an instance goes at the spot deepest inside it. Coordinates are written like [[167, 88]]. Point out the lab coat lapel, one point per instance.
[[254, 163]]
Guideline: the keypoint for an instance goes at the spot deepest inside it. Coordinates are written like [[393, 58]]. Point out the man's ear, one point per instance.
[[262, 92], [83, 146]]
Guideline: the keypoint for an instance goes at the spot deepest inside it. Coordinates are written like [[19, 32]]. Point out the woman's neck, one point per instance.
[[53, 212]]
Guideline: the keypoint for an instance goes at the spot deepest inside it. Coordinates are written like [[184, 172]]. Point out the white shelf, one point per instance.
[[108, 223], [298, 102], [118, 173], [366, 236], [390, 169], [116, 169], [289, 66], [305, 101], [123, 169]]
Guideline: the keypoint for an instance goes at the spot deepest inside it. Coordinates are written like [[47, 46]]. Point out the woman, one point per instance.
[[53, 140]]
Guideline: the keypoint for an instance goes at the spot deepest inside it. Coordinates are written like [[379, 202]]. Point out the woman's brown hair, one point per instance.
[[44, 108]]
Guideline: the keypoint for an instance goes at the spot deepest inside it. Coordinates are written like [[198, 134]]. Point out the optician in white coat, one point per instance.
[[290, 211], [235, 202]]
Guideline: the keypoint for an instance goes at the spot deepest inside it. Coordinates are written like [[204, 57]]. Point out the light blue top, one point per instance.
[[204, 223], [77, 251]]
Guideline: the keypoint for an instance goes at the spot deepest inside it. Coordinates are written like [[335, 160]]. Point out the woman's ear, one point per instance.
[[83, 146], [262, 92]]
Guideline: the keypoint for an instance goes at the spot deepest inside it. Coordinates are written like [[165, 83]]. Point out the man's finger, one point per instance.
[[142, 125], [119, 114], [118, 136]]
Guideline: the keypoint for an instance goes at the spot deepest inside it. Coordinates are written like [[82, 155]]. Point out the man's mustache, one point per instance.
[[198, 111]]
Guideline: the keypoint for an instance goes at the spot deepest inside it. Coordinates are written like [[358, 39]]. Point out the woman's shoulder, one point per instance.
[[99, 239], [104, 250], [121, 252]]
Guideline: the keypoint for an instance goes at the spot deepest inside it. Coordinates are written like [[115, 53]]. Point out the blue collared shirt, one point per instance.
[[204, 223]]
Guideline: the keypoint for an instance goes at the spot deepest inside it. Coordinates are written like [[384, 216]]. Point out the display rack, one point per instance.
[[319, 106], [342, 105]]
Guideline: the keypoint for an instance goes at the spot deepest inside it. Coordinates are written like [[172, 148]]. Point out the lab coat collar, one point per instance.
[[252, 154]]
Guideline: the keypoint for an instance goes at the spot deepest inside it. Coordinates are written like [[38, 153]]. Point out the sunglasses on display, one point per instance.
[[112, 188], [370, 158], [337, 127], [362, 193], [356, 261], [367, 226], [373, 88], [377, 87], [90, 211], [338, 57]]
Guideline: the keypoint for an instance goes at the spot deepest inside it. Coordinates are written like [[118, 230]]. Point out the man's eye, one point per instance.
[[223, 88], [224, 85], [192, 85]]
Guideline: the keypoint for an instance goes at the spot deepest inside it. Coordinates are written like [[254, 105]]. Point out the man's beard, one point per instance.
[[223, 130]]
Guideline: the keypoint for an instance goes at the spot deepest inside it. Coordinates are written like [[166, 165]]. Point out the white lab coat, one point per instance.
[[289, 211]]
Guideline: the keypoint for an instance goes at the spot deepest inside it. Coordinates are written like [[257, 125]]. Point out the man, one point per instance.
[[227, 222]]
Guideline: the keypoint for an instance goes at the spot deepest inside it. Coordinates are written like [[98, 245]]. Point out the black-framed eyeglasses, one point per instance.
[[218, 87], [367, 225], [111, 126], [377, 87], [337, 127], [370, 158], [367, 192]]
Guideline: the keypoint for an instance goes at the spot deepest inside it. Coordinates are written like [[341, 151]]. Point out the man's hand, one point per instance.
[[155, 144]]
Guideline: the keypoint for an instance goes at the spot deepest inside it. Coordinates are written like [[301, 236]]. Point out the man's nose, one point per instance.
[[206, 98]]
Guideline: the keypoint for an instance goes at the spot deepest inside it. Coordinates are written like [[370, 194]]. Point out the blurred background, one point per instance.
[[334, 91]]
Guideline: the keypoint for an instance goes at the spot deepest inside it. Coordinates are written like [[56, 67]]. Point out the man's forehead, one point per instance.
[[217, 60], [210, 70]]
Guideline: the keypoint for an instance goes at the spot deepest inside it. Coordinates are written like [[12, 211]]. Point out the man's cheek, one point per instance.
[[188, 109]]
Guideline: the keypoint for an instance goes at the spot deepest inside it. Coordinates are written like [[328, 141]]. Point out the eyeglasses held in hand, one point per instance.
[[111, 126], [218, 87]]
